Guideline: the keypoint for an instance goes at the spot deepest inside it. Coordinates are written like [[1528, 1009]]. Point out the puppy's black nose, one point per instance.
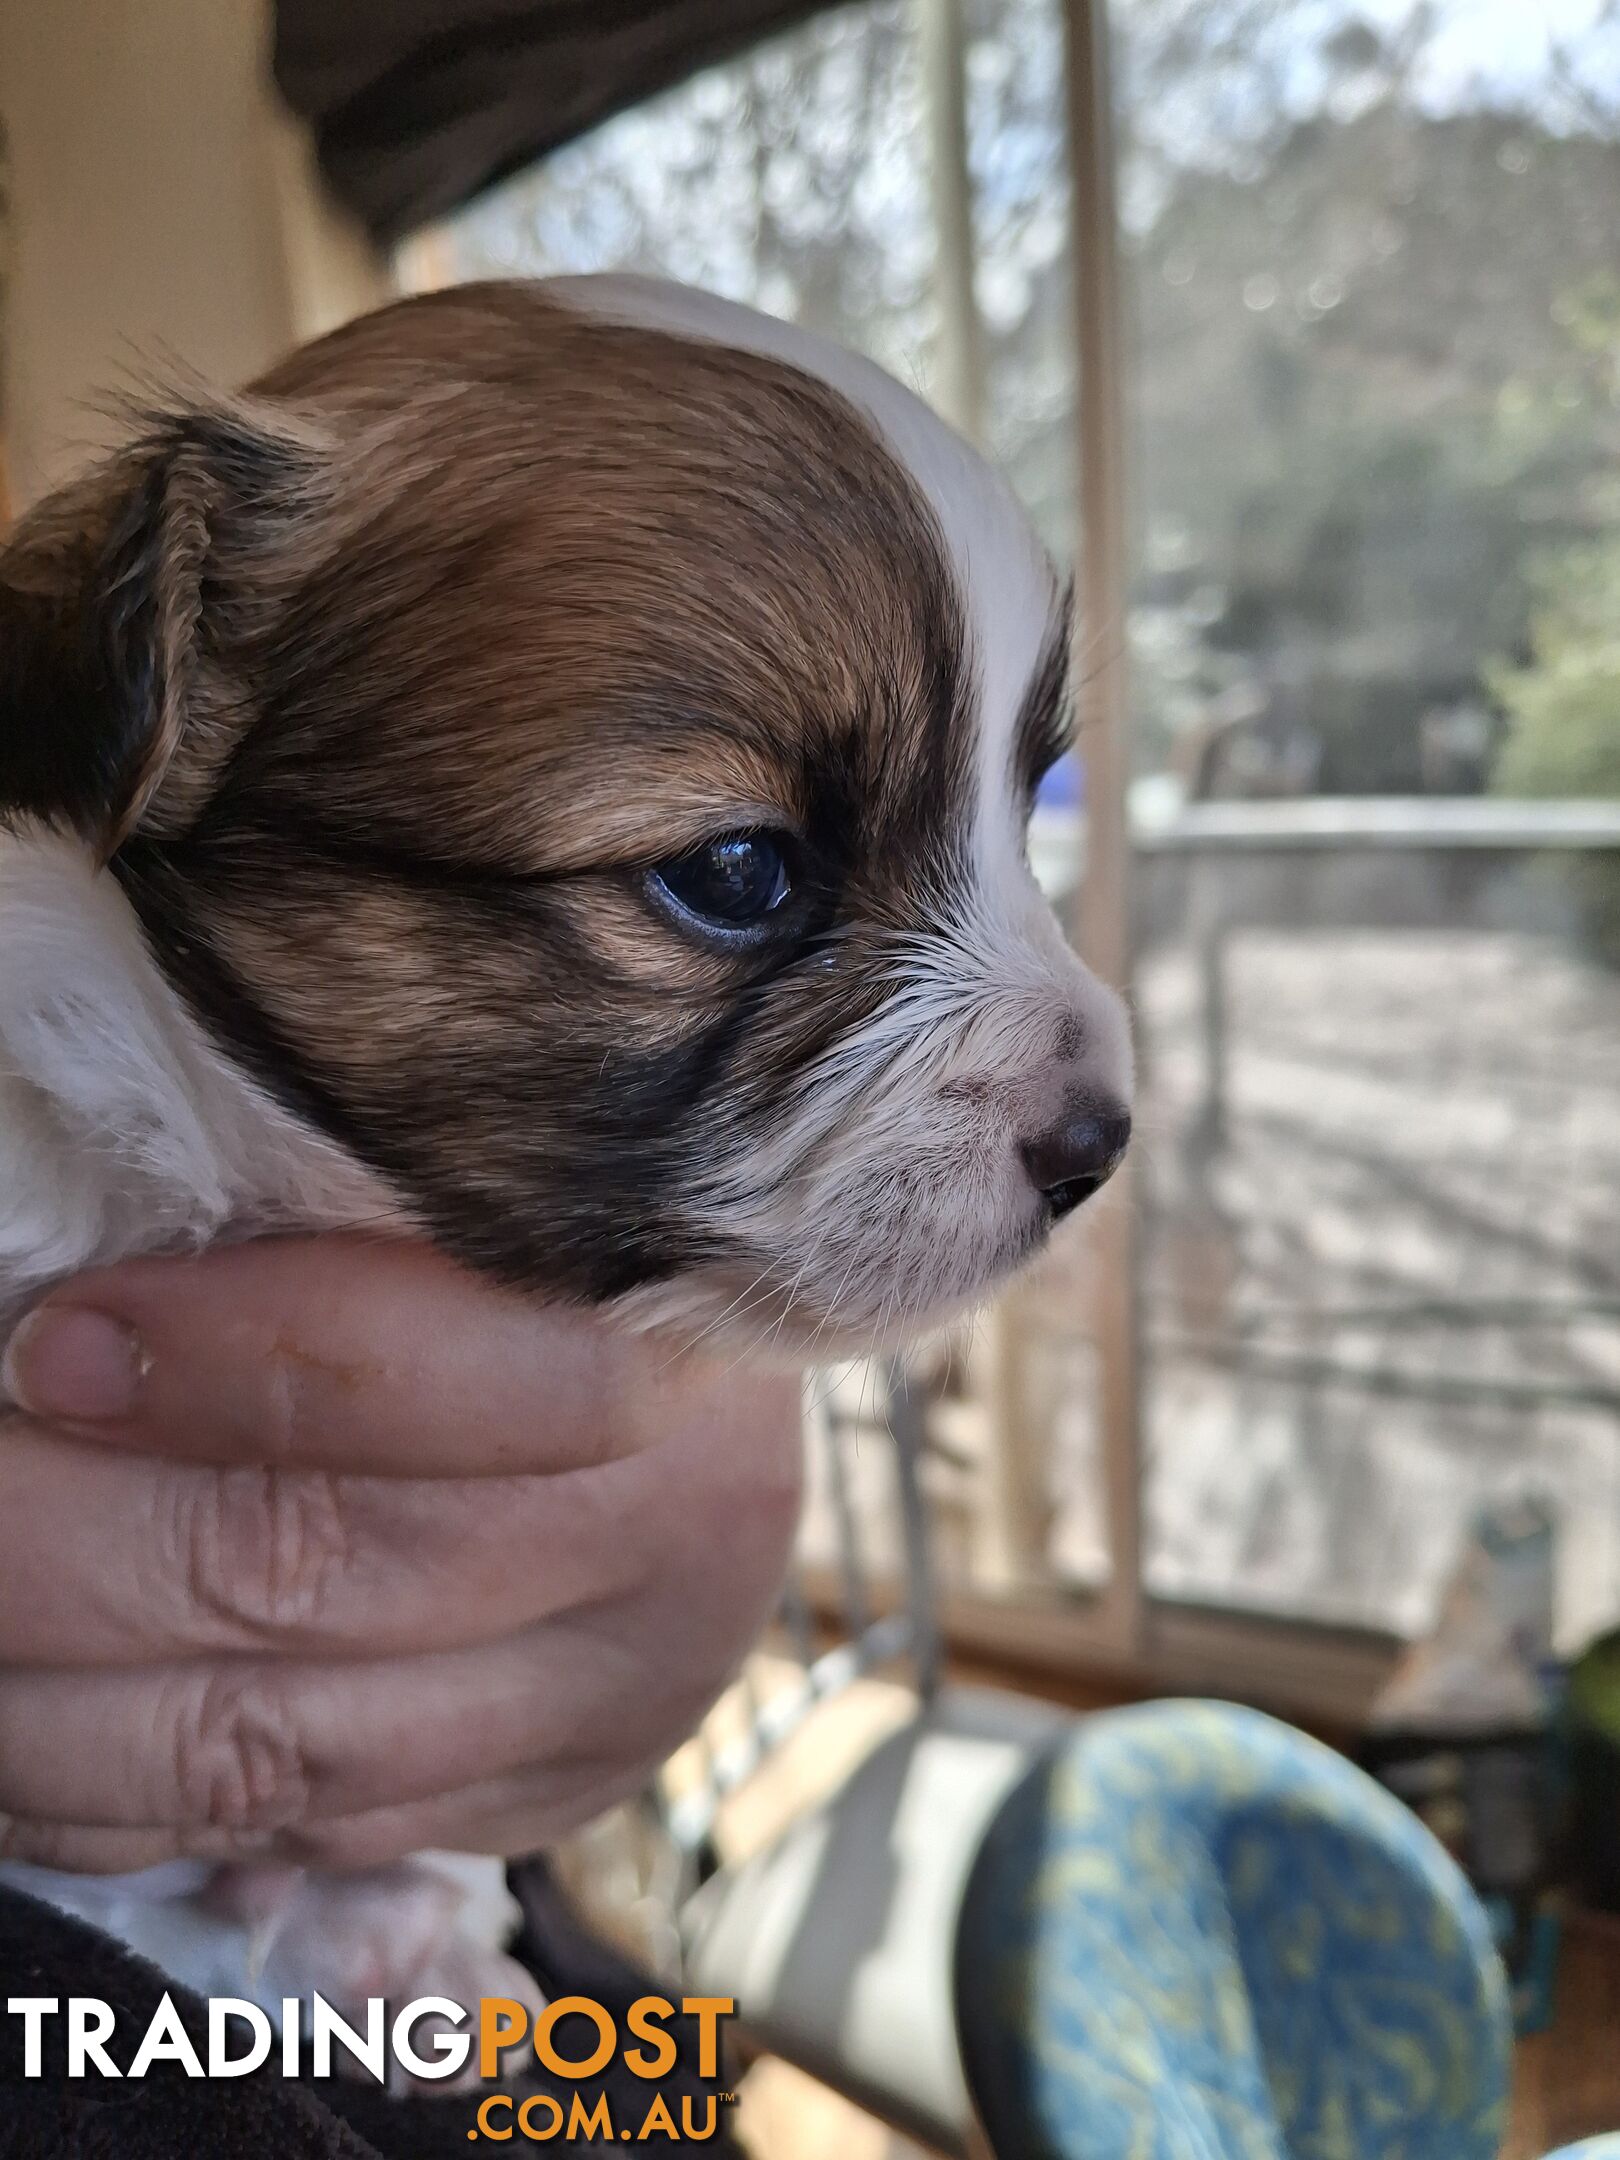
[[1078, 1157]]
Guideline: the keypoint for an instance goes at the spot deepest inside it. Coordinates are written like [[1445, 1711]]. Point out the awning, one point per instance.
[[417, 105]]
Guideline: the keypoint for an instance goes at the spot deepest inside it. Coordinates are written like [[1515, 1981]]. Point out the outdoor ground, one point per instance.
[[1387, 1283], [1381, 1266]]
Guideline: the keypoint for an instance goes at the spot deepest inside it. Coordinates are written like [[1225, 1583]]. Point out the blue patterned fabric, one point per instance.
[[1195, 1934]]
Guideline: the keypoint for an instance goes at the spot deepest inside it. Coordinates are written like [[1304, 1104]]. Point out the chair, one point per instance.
[[1171, 1931]]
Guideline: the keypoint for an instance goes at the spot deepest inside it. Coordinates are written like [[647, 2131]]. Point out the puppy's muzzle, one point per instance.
[[1077, 1157]]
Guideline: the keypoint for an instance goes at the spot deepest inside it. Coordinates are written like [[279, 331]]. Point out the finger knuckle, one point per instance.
[[265, 1548], [241, 1762]]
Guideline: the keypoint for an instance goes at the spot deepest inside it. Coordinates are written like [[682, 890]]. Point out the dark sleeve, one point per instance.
[[416, 105]]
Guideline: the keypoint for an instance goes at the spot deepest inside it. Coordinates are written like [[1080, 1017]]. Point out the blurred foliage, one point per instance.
[[1563, 702], [1369, 396], [1563, 707]]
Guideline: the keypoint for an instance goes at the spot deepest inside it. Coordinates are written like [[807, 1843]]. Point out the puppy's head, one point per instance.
[[573, 746]]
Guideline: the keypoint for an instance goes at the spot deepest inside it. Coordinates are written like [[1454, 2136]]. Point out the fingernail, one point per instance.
[[66, 1361]]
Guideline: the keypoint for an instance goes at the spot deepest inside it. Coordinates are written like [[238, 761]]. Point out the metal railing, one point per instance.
[[1424, 822], [829, 1654], [1482, 1345], [855, 1616]]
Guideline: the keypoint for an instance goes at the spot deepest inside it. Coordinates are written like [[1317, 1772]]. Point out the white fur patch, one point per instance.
[[122, 1130]]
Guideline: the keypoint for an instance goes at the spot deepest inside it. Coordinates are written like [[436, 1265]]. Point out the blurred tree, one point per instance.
[[1563, 706], [1563, 709], [790, 178], [1363, 409], [1563, 703]]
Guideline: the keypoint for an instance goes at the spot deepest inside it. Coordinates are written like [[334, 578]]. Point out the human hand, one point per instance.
[[327, 1550]]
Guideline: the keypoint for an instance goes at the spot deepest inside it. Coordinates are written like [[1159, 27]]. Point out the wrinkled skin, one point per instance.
[[372, 1557]]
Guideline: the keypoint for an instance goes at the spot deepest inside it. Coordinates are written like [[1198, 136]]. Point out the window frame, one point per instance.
[[1120, 1633]]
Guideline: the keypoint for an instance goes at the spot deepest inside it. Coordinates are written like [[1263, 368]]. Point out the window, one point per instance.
[[1374, 255], [1363, 370]]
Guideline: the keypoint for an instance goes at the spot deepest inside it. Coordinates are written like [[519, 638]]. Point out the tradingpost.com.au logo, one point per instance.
[[429, 2038]]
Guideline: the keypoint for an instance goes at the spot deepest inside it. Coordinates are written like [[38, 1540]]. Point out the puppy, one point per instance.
[[546, 770]]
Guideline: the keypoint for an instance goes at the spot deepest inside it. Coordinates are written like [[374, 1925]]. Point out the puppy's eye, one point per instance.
[[732, 883]]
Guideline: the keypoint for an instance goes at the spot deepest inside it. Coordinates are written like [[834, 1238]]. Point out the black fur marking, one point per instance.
[[79, 677], [1045, 725], [154, 882], [82, 630], [594, 1227]]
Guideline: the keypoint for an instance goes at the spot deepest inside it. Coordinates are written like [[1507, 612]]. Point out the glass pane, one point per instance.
[[1383, 1273], [1375, 263], [1019, 161]]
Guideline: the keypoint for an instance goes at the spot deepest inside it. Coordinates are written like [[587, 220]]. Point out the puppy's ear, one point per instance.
[[107, 666]]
